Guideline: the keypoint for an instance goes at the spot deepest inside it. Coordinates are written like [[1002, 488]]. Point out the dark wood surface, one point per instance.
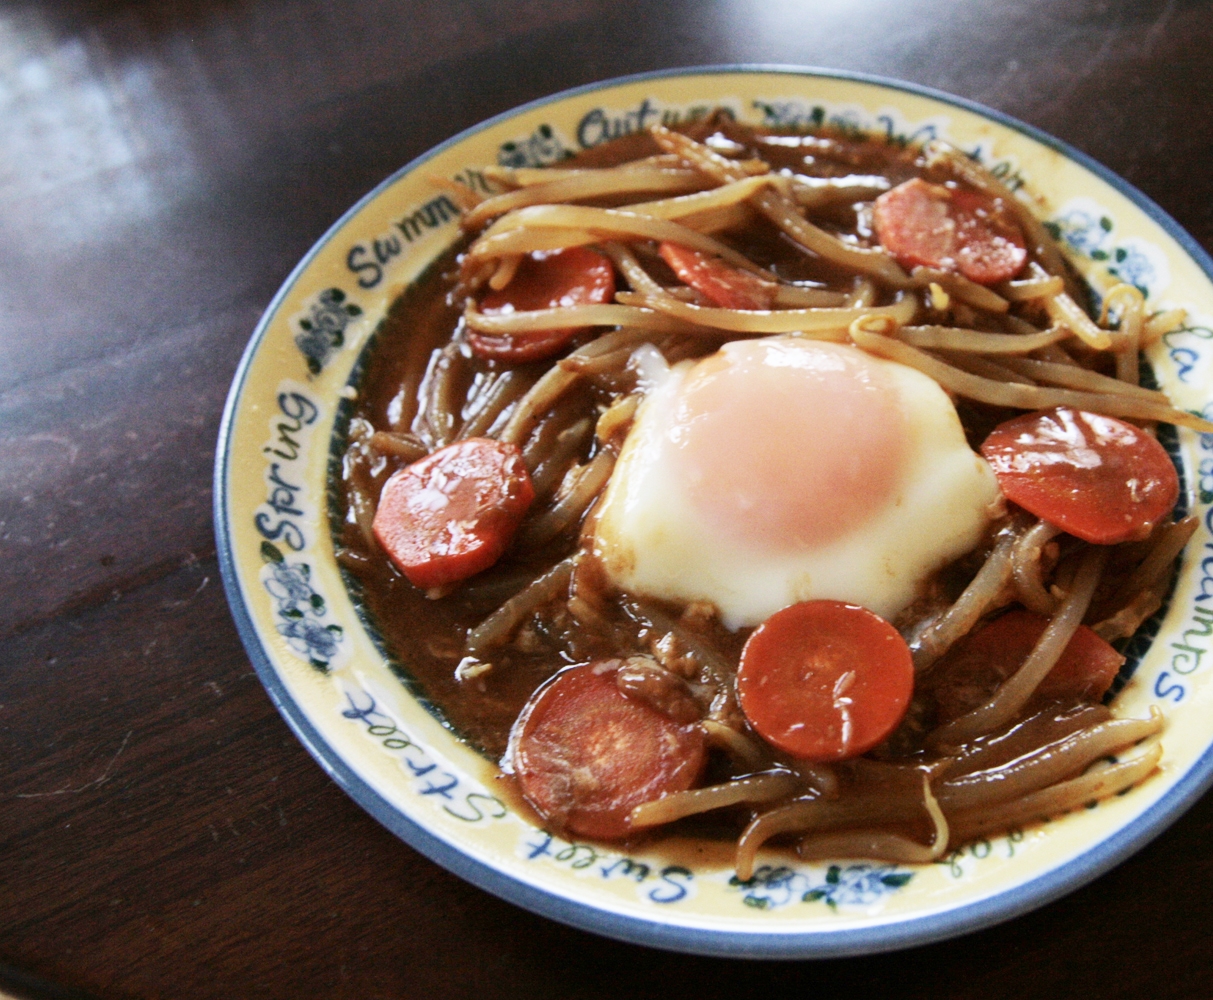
[[162, 168]]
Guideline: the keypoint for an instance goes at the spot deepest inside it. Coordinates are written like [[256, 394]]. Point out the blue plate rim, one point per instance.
[[878, 937]]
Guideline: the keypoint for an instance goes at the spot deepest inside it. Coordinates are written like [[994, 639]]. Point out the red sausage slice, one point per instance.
[[955, 229], [586, 754], [573, 277], [824, 680], [1098, 478], [972, 670], [720, 284], [451, 514]]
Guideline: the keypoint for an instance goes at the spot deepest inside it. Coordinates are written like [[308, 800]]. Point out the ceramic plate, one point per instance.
[[285, 419]]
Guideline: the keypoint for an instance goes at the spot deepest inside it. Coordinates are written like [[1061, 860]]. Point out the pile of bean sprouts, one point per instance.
[[1025, 344]]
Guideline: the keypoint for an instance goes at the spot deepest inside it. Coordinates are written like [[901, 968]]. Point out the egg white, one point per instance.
[[651, 540]]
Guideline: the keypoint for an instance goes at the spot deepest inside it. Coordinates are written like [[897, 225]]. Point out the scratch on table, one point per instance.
[[1087, 67], [73, 449], [1155, 31], [96, 782], [171, 605]]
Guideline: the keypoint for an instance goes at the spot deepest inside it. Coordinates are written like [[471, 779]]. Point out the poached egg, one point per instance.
[[786, 469]]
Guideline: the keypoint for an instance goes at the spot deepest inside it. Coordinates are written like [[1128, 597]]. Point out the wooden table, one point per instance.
[[162, 168]]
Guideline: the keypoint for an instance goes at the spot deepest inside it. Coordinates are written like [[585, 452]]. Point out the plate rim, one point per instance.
[[674, 936]]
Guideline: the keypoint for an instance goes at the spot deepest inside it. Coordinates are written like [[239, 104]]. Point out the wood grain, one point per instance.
[[164, 166]]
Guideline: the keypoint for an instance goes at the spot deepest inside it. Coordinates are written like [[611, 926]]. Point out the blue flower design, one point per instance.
[[299, 609], [857, 885], [321, 333], [540, 148], [317, 642], [1134, 268], [1085, 227], [772, 886], [1085, 232], [288, 585]]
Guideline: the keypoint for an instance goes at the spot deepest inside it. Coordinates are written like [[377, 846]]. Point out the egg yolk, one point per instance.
[[788, 444]]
